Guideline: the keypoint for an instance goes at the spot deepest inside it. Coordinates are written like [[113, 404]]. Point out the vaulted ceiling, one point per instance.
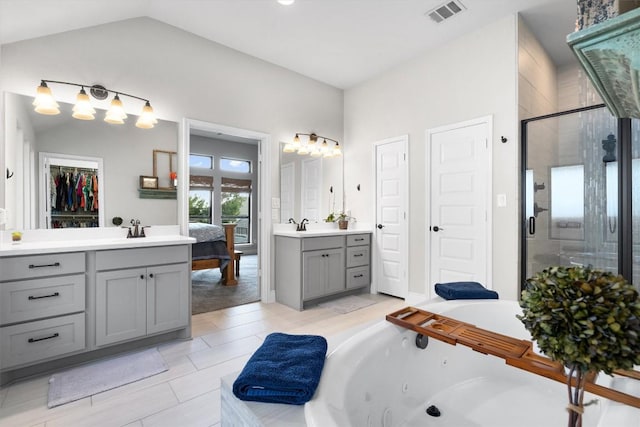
[[338, 42]]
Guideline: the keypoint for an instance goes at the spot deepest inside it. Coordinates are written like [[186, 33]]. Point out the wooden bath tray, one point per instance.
[[515, 352]]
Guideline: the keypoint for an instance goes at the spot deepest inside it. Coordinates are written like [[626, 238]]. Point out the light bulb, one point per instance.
[[83, 109], [44, 102], [115, 115], [148, 118]]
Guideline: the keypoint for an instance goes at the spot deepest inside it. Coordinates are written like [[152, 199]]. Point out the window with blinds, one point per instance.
[[236, 206]]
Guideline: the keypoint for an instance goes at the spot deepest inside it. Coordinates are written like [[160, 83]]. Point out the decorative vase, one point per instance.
[[343, 224]]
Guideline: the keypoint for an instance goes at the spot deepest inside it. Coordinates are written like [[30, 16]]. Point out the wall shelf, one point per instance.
[[147, 193], [609, 52]]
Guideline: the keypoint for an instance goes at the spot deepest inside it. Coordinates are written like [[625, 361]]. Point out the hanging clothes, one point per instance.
[[79, 192], [87, 191], [94, 206]]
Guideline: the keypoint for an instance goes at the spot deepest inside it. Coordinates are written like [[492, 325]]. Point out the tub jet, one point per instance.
[[422, 341], [433, 411]]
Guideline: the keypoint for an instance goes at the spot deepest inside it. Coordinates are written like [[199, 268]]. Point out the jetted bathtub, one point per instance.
[[379, 377]]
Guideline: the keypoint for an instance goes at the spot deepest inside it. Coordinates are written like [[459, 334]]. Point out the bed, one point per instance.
[[214, 248]]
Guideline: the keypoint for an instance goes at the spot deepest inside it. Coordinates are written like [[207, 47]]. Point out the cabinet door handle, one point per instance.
[[56, 335], [358, 275], [357, 255], [151, 275], [55, 294], [142, 276], [55, 264]]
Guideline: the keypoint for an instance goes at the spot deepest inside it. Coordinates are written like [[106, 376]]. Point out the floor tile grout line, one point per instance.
[[275, 318]]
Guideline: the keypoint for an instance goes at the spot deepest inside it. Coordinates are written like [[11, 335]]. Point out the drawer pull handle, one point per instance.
[[56, 335], [358, 276], [355, 255], [359, 240], [55, 294], [55, 264]]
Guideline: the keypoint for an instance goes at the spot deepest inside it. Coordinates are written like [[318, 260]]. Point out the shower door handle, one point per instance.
[[532, 225]]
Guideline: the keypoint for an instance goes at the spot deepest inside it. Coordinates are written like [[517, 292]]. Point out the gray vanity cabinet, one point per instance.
[[42, 307], [313, 269], [323, 272], [358, 260], [141, 301]]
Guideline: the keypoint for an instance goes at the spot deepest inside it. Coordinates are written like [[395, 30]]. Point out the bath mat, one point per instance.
[[103, 375], [347, 304]]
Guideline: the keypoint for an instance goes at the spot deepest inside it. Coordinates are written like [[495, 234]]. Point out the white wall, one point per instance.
[[18, 131], [183, 75], [473, 76]]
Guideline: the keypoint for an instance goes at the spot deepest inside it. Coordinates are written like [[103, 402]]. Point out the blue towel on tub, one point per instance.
[[464, 290], [284, 369]]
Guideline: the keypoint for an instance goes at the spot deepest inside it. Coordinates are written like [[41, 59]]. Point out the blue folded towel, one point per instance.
[[285, 369], [464, 290]]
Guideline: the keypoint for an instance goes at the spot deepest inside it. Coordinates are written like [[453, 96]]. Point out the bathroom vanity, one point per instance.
[[316, 266], [67, 301]]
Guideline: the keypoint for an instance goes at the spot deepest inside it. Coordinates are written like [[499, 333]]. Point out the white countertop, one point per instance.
[[318, 230], [65, 240]]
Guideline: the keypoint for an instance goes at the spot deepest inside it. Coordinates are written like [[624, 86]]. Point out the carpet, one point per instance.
[[103, 375], [347, 304], [209, 294]]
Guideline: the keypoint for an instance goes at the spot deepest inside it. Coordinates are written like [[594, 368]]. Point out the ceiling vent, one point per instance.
[[445, 11]]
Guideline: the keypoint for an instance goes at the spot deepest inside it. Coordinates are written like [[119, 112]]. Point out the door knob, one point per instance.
[[436, 228], [380, 226]]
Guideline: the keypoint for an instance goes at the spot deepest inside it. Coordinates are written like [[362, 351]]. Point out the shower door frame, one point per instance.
[[624, 156]]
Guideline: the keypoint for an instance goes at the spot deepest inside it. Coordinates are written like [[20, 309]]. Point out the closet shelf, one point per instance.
[[146, 193]]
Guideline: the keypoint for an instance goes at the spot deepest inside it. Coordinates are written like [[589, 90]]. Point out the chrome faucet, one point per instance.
[[303, 225]]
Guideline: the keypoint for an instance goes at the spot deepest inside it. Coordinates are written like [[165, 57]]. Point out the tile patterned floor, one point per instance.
[[188, 394]]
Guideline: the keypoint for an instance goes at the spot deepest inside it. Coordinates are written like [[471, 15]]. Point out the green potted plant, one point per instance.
[[343, 221], [586, 319]]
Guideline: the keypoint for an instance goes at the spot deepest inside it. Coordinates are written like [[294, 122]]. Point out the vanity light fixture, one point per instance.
[[312, 147], [44, 103], [286, 2]]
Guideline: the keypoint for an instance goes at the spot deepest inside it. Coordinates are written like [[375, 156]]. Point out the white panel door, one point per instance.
[[460, 167], [287, 192], [391, 222], [311, 189]]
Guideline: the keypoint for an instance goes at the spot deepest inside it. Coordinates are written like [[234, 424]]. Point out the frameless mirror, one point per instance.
[[125, 150], [310, 187]]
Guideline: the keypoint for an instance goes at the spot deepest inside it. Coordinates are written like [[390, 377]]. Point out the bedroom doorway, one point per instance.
[[224, 181]]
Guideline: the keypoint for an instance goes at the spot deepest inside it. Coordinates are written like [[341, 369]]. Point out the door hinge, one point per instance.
[[404, 156]]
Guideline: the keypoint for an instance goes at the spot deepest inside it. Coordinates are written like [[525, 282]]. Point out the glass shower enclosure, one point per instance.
[[581, 192]]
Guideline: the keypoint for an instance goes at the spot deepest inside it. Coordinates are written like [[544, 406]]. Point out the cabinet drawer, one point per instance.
[[27, 343], [27, 267], [127, 258], [358, 239], [39, 298], [358, 277], [314, 243], [357, 256]]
